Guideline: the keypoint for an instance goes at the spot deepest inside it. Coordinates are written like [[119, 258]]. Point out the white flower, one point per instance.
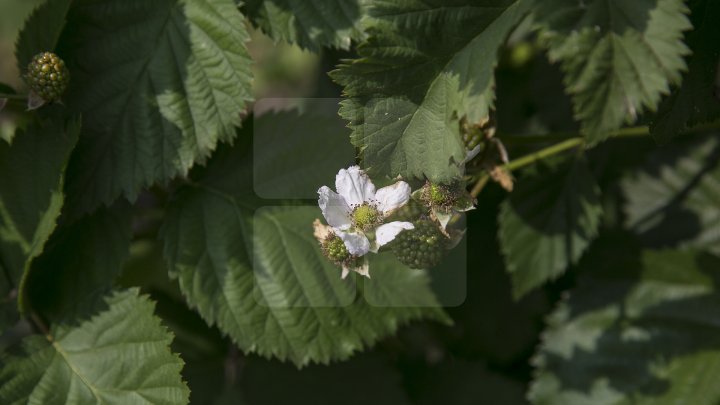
[[357, 210]]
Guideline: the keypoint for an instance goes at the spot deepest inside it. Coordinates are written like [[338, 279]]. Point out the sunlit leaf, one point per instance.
[[548, 221], [159, 84], [118, 356], [424, 67], [618, 56]]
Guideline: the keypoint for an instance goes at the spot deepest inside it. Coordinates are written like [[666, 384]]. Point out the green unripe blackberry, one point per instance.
[[335, 250], [47, 76], [422, 247]]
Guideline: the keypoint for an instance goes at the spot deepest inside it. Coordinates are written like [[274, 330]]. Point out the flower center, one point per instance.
[[365, 216], [438, 194], [443, 196]]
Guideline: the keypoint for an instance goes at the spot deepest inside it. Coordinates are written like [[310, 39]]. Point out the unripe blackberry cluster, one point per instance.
[[47, 76], [422, 247], [335, 250]]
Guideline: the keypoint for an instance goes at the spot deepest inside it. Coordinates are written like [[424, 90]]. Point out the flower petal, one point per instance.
[[334, 208], [354, 185], [387, 232], [356, 243], [392, 197]]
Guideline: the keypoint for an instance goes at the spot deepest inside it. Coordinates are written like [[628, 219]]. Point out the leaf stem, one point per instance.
[[477, 188], [568, 141], [561, 136]]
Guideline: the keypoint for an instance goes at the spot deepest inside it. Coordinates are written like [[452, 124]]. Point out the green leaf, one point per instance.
[[673, 200], [640, 328], [548, 221], [42, 31], [31, 190], [312, 24], [80, 262], [285, 157], [694, 102], [260, 275], [159, 83], [120, 355], [618, 56], [424, 67]]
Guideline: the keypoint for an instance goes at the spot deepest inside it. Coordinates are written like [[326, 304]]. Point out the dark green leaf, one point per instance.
[[425, 66], [548, 221], [618, 56], [639, 328], [80, 262], [120, 355], [673, 200], [42, 31], [31, 195], [696, 101], [311, 24], [285, 159], [159, 83]]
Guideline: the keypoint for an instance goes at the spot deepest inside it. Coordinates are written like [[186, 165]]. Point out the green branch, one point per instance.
[[568, 141]]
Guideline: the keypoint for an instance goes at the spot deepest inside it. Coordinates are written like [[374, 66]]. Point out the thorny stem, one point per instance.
[[567, 143]]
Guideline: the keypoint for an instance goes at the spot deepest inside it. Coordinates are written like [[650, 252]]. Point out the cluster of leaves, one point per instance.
[[152, 126]]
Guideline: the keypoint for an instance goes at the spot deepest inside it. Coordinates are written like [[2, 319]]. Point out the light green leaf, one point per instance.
[[618, 56], [159, 83], [120, 355], [695, 101], [425, 66], [260, 275], [42, 31], [638, 329], [312, 24], [31, 195], [80, 262], [673, 200], [548, 221]]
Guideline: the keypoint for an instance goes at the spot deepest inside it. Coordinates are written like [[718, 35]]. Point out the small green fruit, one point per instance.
[[422, 247], [47, 76], [335, 250]]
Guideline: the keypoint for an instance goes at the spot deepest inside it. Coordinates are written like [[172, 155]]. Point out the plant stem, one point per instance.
[[568, 141], [544, 153], [561, 136], [479, 185]]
